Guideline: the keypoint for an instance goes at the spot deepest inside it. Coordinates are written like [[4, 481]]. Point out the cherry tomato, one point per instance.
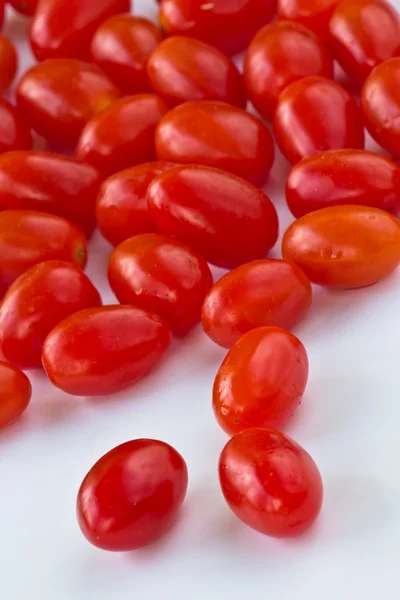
[[8, 63], [35, 303], [364, 33], [227, 25], [271, 483], [25, 7], [122, 209], [64, 29], [344, 246], [58, 97], [2, 2], [103, 350], [219, 135], [228, 220], [343, 177], [132, 495], [316, 114], [121, 47], [14, 132], [28, 238], [49, 182], [263, 292], [163, 276], [279, 54], [380, 104], [314, 14], [183, 68], [15, 393], [123, 135]]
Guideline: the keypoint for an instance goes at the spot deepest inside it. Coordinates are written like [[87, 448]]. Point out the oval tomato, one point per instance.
[[344, 246], [263, 292], [8, 63], [58, 97], [219, 135], [25, 7], [279, 54], [103, 350], [163, 276], [122, 135], [14, 132], [314, 14], [271, 483], [132, 495], [35, 303], [228, 220], [15, 393]]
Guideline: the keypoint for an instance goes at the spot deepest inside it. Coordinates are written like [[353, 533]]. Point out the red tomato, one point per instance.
[[15, 393], [49, 182], [344, 246], [271, 483], [132, 495], [28, 238], [219, 135], [64, 28], [14, 132], [8, 63], [314, 14], [163, 276], [122, 209], [121, 47], [263, 292], [279, 54], [35, 303], [103, 350], [364, 33], [25, 7], [316, 114], [58, 97], [343, 177], [183, 68], [123, 135], [228, 220]]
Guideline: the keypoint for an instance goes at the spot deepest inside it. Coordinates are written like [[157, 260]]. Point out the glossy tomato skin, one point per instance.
[[15, 393], [51, 183], [314, 14], [218, 135], [267, 292], [227, 219], [28, 237], [344, 246], [363, 34], [315, 114], [132, 495], [183, 69], [25, 7], [340, 177], [64, 29], [14, 131], [163, 276], [35, 303], [121, 47], [122, 135], [279, 54], [227, 25], [58, 97], [271, 483], [8, 62], [261, 380], [99, 351]]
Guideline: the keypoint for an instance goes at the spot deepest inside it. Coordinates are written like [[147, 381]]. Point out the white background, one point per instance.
[[349, 422]]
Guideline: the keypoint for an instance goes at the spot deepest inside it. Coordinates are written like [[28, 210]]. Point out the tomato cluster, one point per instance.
[[167, 161]]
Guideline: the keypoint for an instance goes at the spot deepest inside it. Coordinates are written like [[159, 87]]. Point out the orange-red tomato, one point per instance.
[[35, 303], [314, 14], [263, 292], [123, 135], [121, 48], [364, 33], [163, 276], [15, 393], [219, 135], [279, 54], [261, 381], [183, 69], [8, 62], [343, 177], [25, 7], [58, 97], [315, 114], [344, 246], [14, 132], [99, 351], [28, 238]]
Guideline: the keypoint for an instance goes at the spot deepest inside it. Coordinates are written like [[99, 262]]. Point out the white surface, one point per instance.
[[349, 422]]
